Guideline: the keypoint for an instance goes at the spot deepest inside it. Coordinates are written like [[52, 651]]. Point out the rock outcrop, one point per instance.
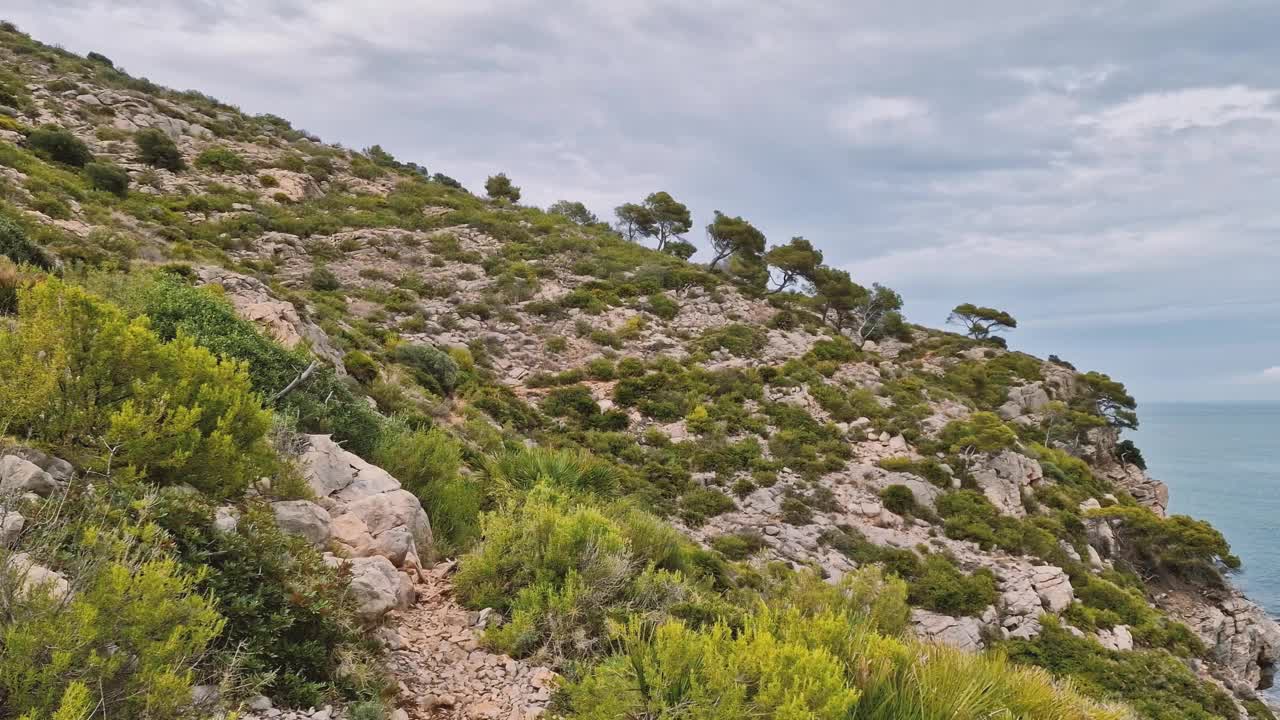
[[1006, 478]]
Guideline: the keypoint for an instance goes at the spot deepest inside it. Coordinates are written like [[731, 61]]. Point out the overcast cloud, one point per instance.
[[1108, 171]]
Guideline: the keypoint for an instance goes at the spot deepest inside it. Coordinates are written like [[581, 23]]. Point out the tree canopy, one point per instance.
[[733, 236], [979, 322], [575, 211], [660, 217], [500, 187], [797, 260]]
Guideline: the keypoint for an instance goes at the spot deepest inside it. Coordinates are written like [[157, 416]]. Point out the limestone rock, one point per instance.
[[303, 518], [1148, 491], [1117, 638], [372, 514], [376, 587], [1240, 636], [1024, 400], [11, 525], [1004, 478], [22, 476], [1053, 587], [226, 519], [254, 302], [33, 576], [963, 632]]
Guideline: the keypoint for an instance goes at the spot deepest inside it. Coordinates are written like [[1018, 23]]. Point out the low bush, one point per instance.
[[221, 160], [107, 177], [736, 339], [898, 499], [1177, 546], [558, 568], [76, 372], [158, 150], [941, 586], [127, 639], [15, 245], [59, 145], [1156, 684], [432, 368], [427, 464]]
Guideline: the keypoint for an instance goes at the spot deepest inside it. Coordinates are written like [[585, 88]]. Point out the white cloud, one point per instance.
[[1271, 374], [1204, 107], [879, 119]]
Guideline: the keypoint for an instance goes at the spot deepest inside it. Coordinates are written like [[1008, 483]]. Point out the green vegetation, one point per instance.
[[59, 145], [979, 322], [107, 177], [500, 187], [158, 150]]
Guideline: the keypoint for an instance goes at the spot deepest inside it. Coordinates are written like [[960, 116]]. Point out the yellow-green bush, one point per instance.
[[77, 373], [130, 635]]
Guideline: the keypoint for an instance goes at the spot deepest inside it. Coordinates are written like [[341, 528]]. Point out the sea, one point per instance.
[[1222, 464]]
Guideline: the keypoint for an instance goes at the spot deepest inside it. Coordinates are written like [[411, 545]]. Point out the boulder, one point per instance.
[[372, 514], [226, 519], [11, 525], [1053, 587], [1024, 400], [1117, 638], [32, 576], [303, 518], [23, 476], [963, 632], [378, 587], [60, 470]]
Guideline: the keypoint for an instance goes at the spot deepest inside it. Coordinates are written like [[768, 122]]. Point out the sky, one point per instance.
[[1106, 171]]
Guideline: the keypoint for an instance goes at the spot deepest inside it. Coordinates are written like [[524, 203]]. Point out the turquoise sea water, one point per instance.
[[1222, 464]]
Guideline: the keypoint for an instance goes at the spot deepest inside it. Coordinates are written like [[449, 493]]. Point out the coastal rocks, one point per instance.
[[1029, 591], [371, 514], [254, 302], [960, 632], [1148, 491], [1242, 639], [1005, 477]]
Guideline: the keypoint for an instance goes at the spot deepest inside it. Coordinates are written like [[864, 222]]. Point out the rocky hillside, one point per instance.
[[285, 425]]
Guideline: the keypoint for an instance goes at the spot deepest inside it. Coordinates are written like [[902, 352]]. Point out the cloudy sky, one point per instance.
[[1108, 171]]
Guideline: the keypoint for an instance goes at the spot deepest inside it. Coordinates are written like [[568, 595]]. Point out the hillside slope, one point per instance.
[[268, 382]]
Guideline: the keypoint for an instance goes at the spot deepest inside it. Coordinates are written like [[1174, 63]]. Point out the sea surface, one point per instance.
[[1222, 464]]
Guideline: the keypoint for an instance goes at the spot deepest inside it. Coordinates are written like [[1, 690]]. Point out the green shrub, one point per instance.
[[558, 568], [108, 177], [431, 367], [941, 586], [158, 150], [739, 545], [360, 366], [130, 635], [426, 462], [899, 499], [1156, 684], [1177, 545], [324, 404], [736, 339], [59, 145], [523, 469], [981, 432], [289, 619], [815, 651], [221, 160], [17, 247], [75, 371], [663, 306], [323, 279], [700, 503]]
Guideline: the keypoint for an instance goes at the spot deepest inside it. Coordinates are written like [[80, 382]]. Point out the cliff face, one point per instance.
[[743, 418]]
